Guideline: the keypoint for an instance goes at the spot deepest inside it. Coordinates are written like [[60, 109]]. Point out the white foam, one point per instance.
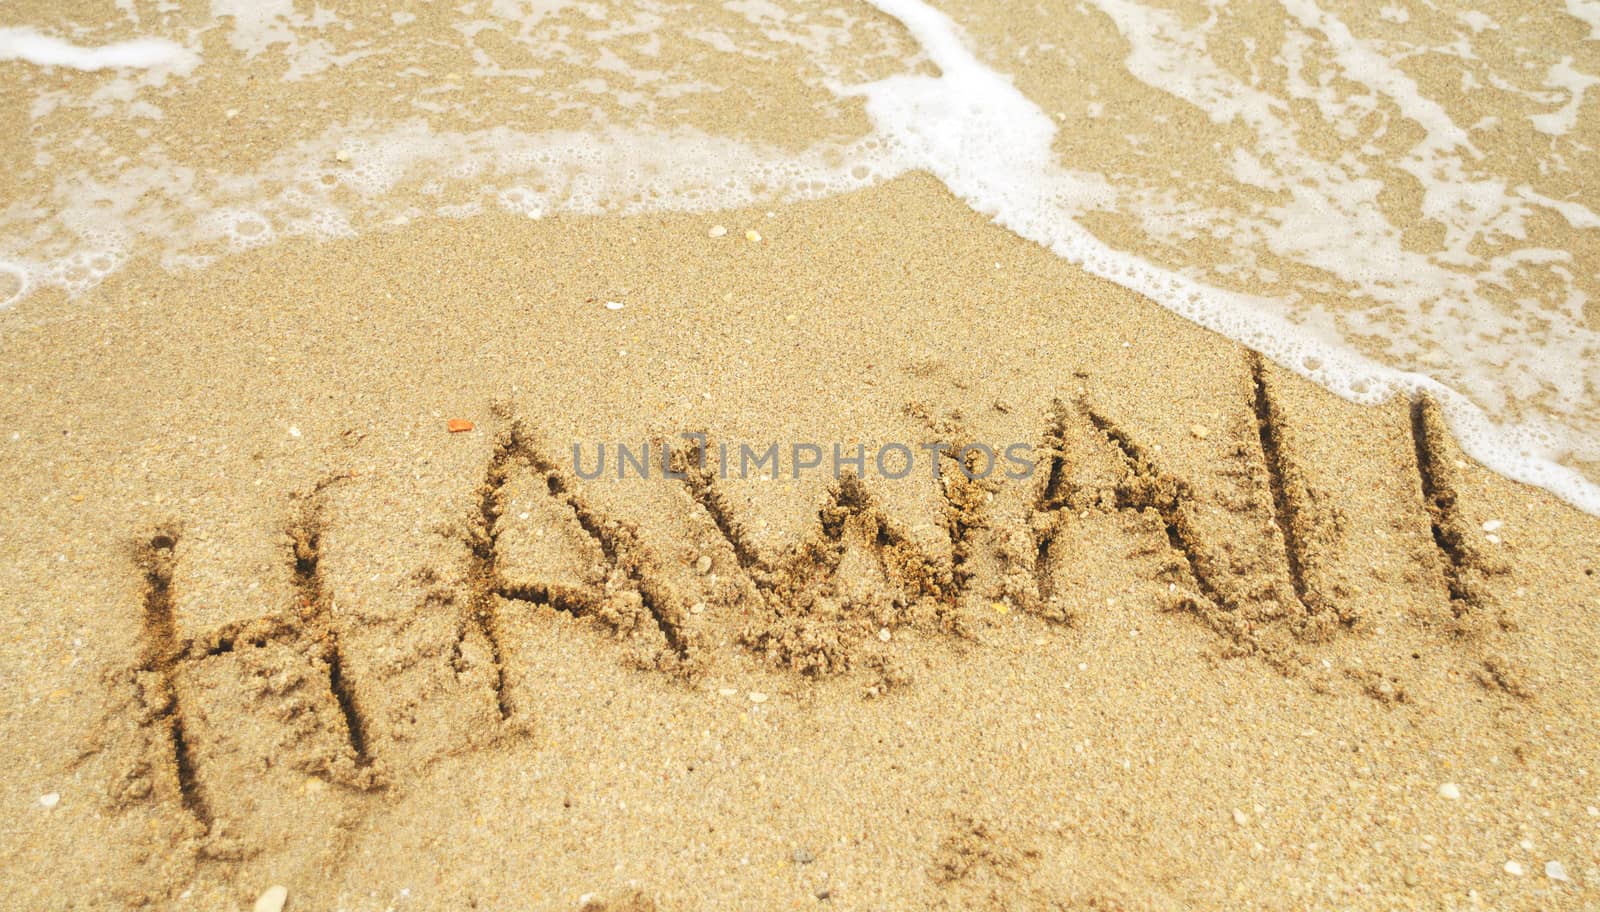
[[32, 46], [1588, 11], [349, 179], [991, 146], [240, 228], [1562, 75]]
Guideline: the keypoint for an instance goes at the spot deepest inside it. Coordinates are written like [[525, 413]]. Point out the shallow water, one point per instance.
[[1385, 198]]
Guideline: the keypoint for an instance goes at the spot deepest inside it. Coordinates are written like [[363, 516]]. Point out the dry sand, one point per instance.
[[1237, 644]]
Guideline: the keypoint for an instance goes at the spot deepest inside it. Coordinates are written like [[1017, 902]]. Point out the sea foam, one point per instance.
[[991, 146], [1516, 383], [30, 45]]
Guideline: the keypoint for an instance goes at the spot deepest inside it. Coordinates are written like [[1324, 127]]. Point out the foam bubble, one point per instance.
[[521, 201], [241, 229]]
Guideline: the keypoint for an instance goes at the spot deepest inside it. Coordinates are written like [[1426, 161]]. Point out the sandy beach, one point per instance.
[[1165, 724], [305, 588]]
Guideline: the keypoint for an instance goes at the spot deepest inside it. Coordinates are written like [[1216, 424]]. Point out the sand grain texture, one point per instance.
[[1221, 650]]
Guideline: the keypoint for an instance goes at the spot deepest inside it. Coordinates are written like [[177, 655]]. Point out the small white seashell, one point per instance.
[[272, 899]]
